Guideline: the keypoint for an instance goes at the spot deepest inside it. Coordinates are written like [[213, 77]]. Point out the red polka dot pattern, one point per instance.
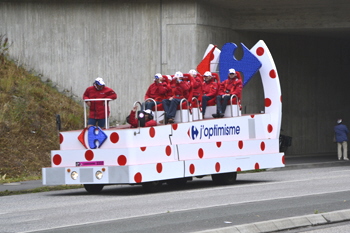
[[218, 144], [122, 160], [239, 169], [174, 126], [192, 169], [61, 138], [269, 128], [89, 155], [252, 116], [168, 150], [200, 153], [217, 167], [114, 137], [138, 177], [159, 167], [57, 159], [262, 146], [260, 51], [257, 166], [272, 74], [240, 145], [143, 148], [268, 102], [152, 132], [283, 160]]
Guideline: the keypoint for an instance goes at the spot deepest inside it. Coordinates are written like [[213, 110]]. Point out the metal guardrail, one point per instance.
[[106, 110], [237, 100]]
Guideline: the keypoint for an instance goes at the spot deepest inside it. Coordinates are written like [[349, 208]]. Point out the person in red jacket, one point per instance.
[[97, 108], [196, 83], [209, 90], [148, 118], [157, 91], [178, 89], [231, 86]]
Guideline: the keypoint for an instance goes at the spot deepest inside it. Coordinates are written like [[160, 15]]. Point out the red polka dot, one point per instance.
[[138, 177], [260, 51], [152, 132], [159, 167], [239, 169], [262, 146], [174, 126], [200, 153], [268, 102], [114, 137], [168, 150], [281, 99], [192, 169], [283, 160], [61, 138], [57, 159], [252, 116], [257, 166], [217, 167], [122, 160], [272, 74], [143, 148], [89, 155], [218, 144], [240, 144], [269, 128]]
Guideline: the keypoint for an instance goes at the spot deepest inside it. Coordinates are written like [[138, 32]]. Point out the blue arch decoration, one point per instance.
[[248, 65]]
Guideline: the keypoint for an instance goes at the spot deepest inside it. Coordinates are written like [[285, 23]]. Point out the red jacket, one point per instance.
[[157, 91], [97, 108], [197, 86], [135, 123], [231, 86], [178, 90], [210, 88]]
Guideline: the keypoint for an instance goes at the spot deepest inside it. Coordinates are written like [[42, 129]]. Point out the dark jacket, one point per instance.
[[341, 133]]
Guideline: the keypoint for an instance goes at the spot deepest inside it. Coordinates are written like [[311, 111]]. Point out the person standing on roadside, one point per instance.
[[341, 137]]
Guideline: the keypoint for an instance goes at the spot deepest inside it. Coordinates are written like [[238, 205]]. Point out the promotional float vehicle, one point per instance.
[[192, 147]]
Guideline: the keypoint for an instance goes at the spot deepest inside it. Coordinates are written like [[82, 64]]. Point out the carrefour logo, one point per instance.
[[214, 131]]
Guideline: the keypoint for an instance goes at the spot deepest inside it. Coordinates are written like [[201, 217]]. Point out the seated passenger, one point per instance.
[[157, 91], [148, 118], [231, 86], [196, 84], [177, 91], [209, 90]]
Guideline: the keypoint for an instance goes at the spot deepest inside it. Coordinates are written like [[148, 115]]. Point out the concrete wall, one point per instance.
[[127, 42]]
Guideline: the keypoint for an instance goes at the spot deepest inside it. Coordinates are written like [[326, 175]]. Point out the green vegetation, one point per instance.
[[41, 189], [28, 130]]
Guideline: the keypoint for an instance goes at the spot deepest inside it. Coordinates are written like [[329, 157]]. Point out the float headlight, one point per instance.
[[74, 175], [99, 175]]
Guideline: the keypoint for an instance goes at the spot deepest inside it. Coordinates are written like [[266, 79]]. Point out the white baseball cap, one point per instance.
[[178, 74], [207, 73], [193, 72], [339, 121], [100, 81], [158, 75], [231, 71]]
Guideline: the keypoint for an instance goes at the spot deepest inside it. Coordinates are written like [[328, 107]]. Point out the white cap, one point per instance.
[[339, 121], [178, 74], [231, 71], [169, 77], [158, 75], [193, 72], [100, 81], [148, 111], [207, 73]]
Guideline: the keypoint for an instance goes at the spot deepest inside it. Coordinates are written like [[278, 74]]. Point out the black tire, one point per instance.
[[224, 178], [93, 188], [177, 182], [151, 187]]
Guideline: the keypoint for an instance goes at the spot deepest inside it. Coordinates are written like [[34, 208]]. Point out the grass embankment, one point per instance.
[[28, 131]]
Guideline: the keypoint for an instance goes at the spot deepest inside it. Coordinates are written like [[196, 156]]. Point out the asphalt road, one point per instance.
[[200, 206]]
